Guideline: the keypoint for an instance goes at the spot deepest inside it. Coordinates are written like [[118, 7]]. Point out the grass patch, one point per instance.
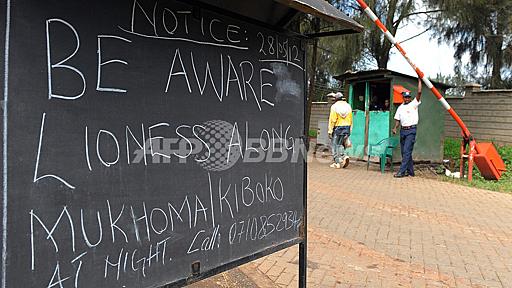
[[452, 152]]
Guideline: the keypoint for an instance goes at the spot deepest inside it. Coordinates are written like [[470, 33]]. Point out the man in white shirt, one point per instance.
[[407, 117]]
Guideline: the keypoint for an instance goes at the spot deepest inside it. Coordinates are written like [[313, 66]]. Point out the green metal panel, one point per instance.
[[357, 136], [379, 126], [430, 133]]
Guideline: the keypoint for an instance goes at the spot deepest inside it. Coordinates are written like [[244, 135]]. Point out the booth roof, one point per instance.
[[278, 13], [382, 73]]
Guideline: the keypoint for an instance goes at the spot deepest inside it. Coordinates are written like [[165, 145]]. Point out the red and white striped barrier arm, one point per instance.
[[425, 80]]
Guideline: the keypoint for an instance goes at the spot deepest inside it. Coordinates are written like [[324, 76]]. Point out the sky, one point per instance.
[[426, 53]]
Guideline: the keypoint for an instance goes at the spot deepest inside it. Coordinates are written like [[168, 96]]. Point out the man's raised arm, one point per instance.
[[418, 96]]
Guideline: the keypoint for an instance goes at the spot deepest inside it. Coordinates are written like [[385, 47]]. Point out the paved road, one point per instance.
[[367, 229]]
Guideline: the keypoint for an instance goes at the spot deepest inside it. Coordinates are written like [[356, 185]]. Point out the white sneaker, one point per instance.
[[335, 165]]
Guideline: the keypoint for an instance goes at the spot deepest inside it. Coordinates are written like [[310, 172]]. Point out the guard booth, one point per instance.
[[375, 95], [136, 137]]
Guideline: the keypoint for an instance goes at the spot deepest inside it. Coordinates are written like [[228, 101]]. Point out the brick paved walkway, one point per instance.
[[367, 229]]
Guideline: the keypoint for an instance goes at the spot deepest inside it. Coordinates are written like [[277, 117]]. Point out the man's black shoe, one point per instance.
[[399, 175]]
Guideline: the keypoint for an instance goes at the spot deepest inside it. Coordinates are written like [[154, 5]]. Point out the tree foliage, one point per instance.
[[482, 30], [370, 48], [367, 50], [457, 80]]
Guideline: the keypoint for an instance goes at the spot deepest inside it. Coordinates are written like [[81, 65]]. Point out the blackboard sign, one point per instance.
[[145, 142]]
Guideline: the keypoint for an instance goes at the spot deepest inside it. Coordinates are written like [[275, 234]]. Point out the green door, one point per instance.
[[358, 100], [357, 136]]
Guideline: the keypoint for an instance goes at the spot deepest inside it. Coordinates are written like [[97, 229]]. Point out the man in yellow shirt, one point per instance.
[[340, 127]]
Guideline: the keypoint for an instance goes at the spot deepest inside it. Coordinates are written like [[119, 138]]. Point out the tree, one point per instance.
[[369, 49], [482, 29], [371, 46]]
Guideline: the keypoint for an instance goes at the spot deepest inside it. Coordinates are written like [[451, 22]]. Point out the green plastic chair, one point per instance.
[[383, 149]]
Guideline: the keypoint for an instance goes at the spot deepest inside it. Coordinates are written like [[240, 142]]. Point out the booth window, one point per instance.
[[358, 94], [379, 95]]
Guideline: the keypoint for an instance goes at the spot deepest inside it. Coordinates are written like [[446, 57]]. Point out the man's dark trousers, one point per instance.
[[407, 139]]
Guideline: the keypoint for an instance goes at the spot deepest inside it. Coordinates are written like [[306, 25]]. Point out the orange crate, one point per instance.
[[488, 161]]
